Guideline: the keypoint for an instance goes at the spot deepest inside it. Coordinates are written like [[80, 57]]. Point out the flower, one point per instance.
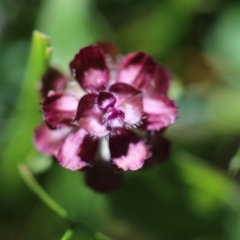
[[101, 129]]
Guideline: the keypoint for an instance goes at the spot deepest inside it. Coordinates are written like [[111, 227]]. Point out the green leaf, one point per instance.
[[19, 131], [31, 182], [36, 188]]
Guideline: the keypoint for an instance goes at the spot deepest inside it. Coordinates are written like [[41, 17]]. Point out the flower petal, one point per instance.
[[128, 151], [77, 151], [142, 72], [89, 116], [89, 68], [52, 80], [59, 109], [108, 49], [161, 112], [129, 101], [102, 178], [161, 83], [160, 148], [48, 141]]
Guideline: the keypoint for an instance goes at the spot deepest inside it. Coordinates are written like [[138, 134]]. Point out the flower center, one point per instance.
[[105, 100], [113, 118]]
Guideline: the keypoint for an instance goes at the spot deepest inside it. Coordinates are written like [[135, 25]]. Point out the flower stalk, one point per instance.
[[68, 234], [32, 183]]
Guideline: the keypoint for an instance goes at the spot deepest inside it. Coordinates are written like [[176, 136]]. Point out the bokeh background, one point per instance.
[[195, 194]]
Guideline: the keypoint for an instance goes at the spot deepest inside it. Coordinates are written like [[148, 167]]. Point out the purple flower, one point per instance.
[[102, 129]]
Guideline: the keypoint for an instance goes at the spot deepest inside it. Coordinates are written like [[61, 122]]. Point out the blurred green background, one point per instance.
[[195, 195]]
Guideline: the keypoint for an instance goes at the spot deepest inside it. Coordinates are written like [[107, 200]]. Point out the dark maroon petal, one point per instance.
[[161, 83], [108, 49], [90, 117], [142, 72], [161, 112], [128, 151], [59, 109], [101, 177], [160, 148], [77, 151], [48, 141], [105, 100], [129, 101], [89, 68], [52, 80]]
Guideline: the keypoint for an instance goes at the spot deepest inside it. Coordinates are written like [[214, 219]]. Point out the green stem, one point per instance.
[[31, 182], [37, 189], [68, 234]]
